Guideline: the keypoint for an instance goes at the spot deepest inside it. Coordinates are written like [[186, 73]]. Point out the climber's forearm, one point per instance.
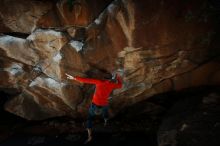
[[87, 80]]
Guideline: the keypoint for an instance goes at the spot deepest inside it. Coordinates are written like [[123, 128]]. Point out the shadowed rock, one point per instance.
[[157, 46]]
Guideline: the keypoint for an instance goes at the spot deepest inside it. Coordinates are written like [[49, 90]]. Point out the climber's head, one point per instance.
[[110, 76]]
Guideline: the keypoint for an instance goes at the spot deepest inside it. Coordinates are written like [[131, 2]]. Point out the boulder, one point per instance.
[[156, 46], [191, 121], [21, 15]]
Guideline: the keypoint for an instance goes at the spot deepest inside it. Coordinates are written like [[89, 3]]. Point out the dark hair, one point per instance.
[[108, 76]]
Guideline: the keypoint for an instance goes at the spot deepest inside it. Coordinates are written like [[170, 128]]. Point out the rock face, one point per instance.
[[21, 16], [192, 121], [156, 46]]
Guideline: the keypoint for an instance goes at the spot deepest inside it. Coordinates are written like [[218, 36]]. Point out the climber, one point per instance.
[[99, 103]]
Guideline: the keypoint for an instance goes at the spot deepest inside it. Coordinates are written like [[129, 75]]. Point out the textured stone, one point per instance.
[[203, 75], [21, 16], [41, 53], [47, 45], [81, 12], [157, 46], [35, 106], [191, 121], [18, 49], [14, 73]]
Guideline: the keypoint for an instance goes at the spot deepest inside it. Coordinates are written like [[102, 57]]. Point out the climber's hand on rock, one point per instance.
[[70, 77]]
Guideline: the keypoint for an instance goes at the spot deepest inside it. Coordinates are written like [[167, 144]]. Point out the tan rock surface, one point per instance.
[[156, 46]]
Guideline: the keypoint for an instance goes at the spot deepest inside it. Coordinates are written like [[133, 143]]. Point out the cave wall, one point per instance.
[[156, 46]]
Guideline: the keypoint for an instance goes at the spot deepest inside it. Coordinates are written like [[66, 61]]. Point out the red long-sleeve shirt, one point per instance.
[[103, 89]]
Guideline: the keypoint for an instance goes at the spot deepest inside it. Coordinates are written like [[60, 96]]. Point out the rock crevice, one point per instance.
[[155, 46]]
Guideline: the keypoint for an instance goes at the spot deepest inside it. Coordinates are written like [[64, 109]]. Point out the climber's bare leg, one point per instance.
[[89, 130]]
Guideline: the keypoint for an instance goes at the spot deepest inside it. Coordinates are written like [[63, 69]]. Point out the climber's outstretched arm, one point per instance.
[[84, 80]]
